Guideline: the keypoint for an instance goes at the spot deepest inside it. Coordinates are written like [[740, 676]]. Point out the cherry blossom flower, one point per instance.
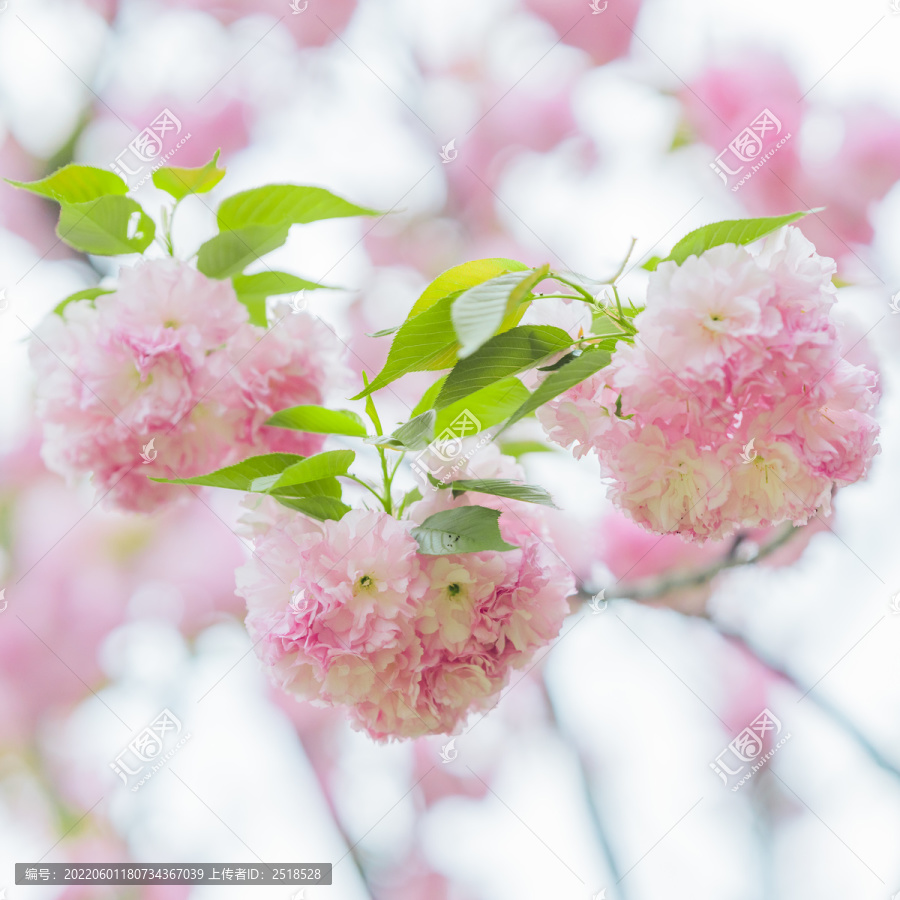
[[170, 357], [738, 410]]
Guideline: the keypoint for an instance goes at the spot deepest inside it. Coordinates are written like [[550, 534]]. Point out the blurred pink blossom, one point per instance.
[[727, 97], [69, 574], [848, 183], [29, 216], [312, 23], [438, 782], [212, 125], [603, 29]]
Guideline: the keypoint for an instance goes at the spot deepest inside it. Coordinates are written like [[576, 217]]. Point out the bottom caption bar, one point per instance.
[[199, 873]]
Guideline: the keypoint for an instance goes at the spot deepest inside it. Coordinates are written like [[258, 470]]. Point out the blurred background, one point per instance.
[[541, 130]]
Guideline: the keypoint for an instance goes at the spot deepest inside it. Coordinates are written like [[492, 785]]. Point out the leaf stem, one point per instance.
[[621, 268], [365, 484], [388, 477], [585, 295]]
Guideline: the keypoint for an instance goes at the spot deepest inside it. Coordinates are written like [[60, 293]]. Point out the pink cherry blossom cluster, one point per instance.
[[350, 614], [733, 347], [171, 357]]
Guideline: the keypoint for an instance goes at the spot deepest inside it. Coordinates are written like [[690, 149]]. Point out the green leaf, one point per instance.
[[589, 363], [319, 487], [371, 412], [416, 434], [423, 343], [503, 355], [384, 332], [228, 253], [179, 182], [319, 420], [315, 468], [272, 283], [426, 341], [319, 499], [253, 290], [500, 487], [255, 222], [466, 529], [562, 361], [652, 264], [87, 294], [409, 497], [462, 277], [478, 313], [428, 398], [283, 205], [520, 448], [106, 226], [315, 507], [241, 476], [489, 406], [733, 231], [76, 184]]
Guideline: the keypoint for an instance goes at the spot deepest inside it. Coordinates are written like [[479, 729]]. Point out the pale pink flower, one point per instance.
[[732, 347], [170, 357], [582, 417], [350, 614], [295, 361]]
